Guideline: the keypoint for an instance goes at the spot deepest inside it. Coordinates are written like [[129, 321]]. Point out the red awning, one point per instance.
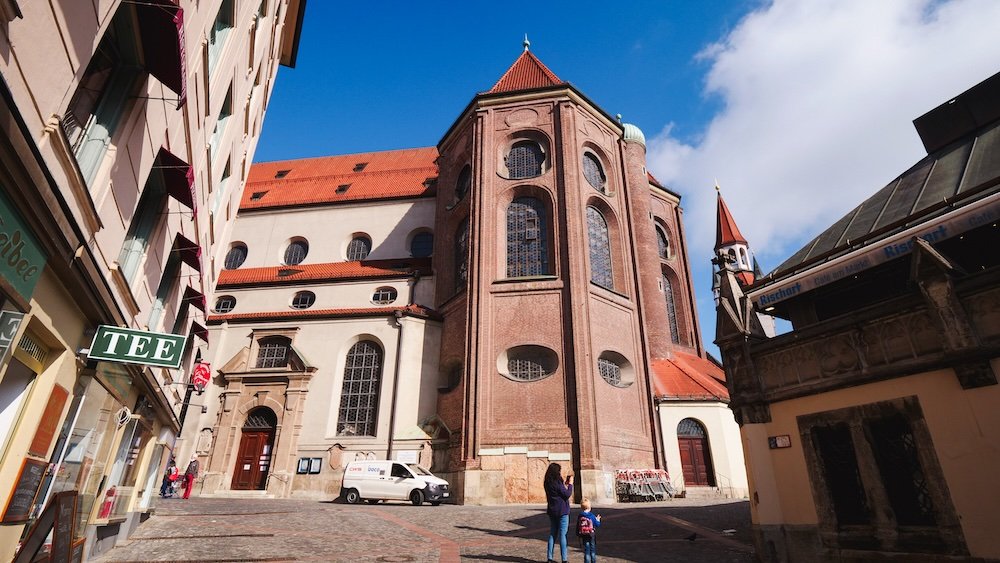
[[199, 331], [194, 297], [161, 24], [190, 252], [178, 176]]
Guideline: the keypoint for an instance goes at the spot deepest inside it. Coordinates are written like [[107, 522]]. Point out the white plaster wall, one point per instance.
[[341, 295], [329, 229], [724, 441]]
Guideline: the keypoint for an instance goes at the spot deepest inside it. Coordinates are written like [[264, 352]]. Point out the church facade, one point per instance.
[[515, 296]]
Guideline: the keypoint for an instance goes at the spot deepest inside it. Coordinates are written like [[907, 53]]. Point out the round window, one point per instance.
[[225, 304], [384, 295], [422, 245], [359, 248], [527, 363], [615, 369], [303, 300], [594, 172], [296, 252], [464, 183], [236, 256]]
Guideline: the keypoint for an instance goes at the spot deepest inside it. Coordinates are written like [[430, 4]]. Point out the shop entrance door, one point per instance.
[[253, 459], [696, 459]]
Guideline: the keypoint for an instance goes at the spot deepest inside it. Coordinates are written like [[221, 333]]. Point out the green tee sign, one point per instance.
[[21, 257], [130, 346]]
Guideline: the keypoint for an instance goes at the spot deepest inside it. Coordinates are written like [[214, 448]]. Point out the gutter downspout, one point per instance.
[[397, 317]]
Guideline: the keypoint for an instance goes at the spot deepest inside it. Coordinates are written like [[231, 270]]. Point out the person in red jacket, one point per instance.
[[190, 474]]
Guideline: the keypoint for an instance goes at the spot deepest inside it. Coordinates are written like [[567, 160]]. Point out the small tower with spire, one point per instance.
[[733, 253]]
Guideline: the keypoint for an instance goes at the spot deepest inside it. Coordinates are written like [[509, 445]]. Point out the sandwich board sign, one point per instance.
[[130, 346]]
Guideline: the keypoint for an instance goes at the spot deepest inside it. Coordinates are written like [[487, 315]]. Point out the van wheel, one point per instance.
[[371, 500], [417, 497], [435, 503], [352, 496]]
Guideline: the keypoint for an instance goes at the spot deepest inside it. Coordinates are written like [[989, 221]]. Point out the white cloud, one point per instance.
[[817, 103]]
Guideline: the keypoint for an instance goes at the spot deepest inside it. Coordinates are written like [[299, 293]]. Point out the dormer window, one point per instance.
[[341, 189], [281, 173], [257, 195], [360, 166]]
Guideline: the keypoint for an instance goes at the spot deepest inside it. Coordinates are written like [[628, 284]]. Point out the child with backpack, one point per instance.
[[586, 529]]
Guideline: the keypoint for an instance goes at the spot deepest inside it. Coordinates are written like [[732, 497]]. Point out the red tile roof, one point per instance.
[[686, 376], [526, 73], [395, 174], [409, 310], [367, 269], [653, 180], [726, 230]]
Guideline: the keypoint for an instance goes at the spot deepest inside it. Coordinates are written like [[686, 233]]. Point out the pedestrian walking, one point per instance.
[[190, 474], [558, 489], [170, 475], [586, 529]]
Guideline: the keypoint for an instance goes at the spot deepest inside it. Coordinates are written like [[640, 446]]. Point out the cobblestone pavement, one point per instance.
[[686, 530]]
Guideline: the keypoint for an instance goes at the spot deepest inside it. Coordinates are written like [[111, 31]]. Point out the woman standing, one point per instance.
[[557, 493], [190, 474]]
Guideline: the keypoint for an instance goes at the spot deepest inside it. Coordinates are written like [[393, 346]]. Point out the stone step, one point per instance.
[[238, 494], [705, 493]]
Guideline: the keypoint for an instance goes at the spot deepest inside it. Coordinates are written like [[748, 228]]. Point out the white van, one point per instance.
[[373, 481]]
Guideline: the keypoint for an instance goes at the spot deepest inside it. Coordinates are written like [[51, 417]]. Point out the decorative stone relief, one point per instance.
[[204, 441], [521, 117]]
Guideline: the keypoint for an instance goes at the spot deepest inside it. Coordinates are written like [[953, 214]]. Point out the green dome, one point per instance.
[[634, 134]]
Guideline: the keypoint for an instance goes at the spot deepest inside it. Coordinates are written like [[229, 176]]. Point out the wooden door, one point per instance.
[[695, 462], [253, 460]]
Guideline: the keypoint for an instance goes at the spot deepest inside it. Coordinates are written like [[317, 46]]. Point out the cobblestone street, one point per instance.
[[297, 530]]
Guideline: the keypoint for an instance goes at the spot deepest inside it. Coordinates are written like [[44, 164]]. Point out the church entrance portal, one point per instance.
[[696, 458], [254, 457]]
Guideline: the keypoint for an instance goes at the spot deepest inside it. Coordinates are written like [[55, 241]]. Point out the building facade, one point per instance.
[[128, 131], [871, 427], [484, 307]]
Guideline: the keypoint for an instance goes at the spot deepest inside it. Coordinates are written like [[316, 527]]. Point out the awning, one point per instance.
[[178, 176], [199, 331], [189, 252], [161, 25], [194, 297]]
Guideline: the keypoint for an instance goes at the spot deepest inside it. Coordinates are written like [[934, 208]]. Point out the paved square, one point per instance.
[[298, 530]]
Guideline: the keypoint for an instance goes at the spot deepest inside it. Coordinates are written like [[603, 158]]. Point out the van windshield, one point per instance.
[[417, 470]]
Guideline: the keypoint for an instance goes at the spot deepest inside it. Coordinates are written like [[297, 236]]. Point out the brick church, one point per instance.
[[517, 295]]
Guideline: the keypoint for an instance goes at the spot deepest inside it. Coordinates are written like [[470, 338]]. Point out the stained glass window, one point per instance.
[[462, 255], [525, 160], [668, 294], [600, 249], [296, 252], [358, 248], [593, 172], [526, 238], [662, 243], [359, 397]]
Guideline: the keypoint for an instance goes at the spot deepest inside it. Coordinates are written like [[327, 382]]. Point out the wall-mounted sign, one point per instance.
[[51, 419], [25, 487], [10, 321], [21, 257], [309, 465], [201, 375], [777, 442], [131, 346], [407, 456]]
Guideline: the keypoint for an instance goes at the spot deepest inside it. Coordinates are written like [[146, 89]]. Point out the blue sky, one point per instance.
[[800, 109]]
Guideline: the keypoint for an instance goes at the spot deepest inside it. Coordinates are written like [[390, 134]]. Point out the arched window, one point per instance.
[[662, 243], [422, 245], [359, 248], [525, 160], [236, 256], [600, 249], [225, 303], [296, 252], [462, 255], [732, 255], [359, 397], [526, 238], [743, 258], [594, 172], [384, 295], [272, 352], [691, 428], [668, 294], [303, 300], [464, 183]]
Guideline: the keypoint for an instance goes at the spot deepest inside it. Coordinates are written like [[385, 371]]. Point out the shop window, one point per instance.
[[360, 393], [526, 238]]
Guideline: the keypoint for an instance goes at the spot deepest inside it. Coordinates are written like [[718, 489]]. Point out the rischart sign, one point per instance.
[[126, 345]]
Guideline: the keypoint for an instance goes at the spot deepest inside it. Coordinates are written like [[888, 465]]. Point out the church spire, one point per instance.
[[726, 233], [731, 248], [527, 73]]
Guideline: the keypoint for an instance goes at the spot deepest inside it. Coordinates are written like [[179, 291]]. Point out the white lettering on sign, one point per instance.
[[113, 338], [163, 348], [135, 349]]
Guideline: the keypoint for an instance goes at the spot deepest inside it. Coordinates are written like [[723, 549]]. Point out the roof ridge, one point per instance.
[[342, 155], [347, 175]]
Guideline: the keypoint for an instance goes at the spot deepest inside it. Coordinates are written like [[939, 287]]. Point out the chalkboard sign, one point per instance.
[[62, 530], [77, 554], [21, 498]]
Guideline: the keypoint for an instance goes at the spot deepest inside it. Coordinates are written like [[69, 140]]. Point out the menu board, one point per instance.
[[50, 422], [25, 488], [62, 529]]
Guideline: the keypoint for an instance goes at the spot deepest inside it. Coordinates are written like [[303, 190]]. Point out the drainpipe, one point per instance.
[[397, 323]]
